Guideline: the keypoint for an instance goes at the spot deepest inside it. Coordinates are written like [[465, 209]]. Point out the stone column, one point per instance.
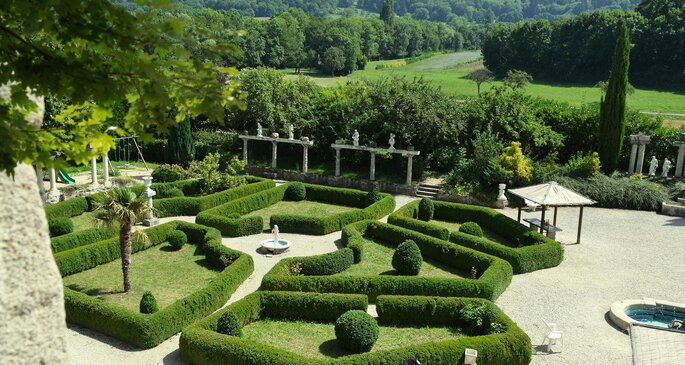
[[53, 182], [41, 185], [681, 159], [245, 151], [643, 142], [105, 170], [94, 171], [148, 193], [372, 172], [274, 154], [633, 154], [337, 162], [305, 158], [410, 159]]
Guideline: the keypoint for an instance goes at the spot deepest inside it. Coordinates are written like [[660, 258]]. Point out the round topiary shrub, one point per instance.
[[60, 226], [356, 331], [177, 239], [174, 193], [296, 192], [471, 228], [229, 325], [426, 209], [169, 173], [148, 303], [407, 259]]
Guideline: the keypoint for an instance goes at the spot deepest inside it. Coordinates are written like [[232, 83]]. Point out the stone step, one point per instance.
[[423, 188]]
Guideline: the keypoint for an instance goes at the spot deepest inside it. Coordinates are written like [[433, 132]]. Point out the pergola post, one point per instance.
[[519, 215], [409, 168], [53, 182], [633, 156], [245, 151], [542, 220], [555, 217], [337, 162], [372, 171], [94, 171], [580, 223], [274, 154], [305, 158]]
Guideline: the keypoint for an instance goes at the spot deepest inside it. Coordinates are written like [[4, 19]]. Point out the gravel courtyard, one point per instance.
[[623, 255]]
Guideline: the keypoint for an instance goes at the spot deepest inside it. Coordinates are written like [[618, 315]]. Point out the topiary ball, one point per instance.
[[296, 192], [174, 193], [407, 259], [148, 303], [60, 226], [471, 228], [426, 209], [177, 239], [356, 331], [229, 325], [374, 194]]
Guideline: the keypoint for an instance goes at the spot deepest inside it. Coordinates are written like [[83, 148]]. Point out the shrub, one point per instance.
[[229, 325], [373, 194], [678, 191], [296, 192], [356, 331], [621, 193], [583, 166], [174, 193], [212, 179], [177, 239], [68, 208], [60, 226], [471, 228], [80, 238], [169, 173], [148, 303], [426, 209], [517, 166], [407, 259], [476, 318]]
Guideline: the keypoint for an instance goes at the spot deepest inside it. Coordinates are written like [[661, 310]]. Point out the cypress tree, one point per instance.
[[612, 107], [388, 12], [180, 146]]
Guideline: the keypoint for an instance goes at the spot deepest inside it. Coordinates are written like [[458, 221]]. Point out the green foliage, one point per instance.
[[373, 194], [310, 306], [517, 79], [229, 325], [426, 209], [175, 193], [67, 208], [517, 166], [613, 105], [583, 166], [148, 303], [620, 193], [388, 12], [476, 318], [356, 331], [177, 239], [333, 60], [296, 192], [471, 228], [678, 191], [80, 238], [180, 147], [169, 173], [60, 226], [211, 177], [407, 259]]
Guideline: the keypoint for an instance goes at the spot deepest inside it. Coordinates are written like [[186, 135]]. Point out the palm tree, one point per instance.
[[122, 206]]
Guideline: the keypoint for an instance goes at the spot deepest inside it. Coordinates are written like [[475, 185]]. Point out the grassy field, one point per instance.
[[317, 340], [304, 207], [449, 72], [378, 261], [170, 275]]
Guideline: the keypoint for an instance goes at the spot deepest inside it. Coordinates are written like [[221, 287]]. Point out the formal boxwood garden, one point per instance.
[[148, 330], [533, 251], [231, 219], [498, 341], [313, 273]]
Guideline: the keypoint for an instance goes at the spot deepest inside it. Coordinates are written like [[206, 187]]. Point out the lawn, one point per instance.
[[83, 221], [449, 71], [492, 236], [317, 340], [170, 275], [377, 260], [304, 207]]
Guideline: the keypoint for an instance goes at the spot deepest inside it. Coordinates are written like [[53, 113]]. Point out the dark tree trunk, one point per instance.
[[125, 248]]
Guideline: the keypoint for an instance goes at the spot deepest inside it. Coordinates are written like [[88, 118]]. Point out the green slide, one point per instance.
[[65, 177]]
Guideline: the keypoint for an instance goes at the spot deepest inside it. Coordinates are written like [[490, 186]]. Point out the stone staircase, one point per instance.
[[428, 191]]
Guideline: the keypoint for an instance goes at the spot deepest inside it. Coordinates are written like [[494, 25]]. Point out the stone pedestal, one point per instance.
[[502, 200], [679, 168], [148, 193], [637, 152], [105, 171]]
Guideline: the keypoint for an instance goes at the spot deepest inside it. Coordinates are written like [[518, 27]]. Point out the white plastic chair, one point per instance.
[[553, 336]]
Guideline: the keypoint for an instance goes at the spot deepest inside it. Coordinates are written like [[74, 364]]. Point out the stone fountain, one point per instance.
[[275, 244]]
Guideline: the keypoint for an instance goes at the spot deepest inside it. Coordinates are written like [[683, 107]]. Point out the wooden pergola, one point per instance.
[[552, 194]]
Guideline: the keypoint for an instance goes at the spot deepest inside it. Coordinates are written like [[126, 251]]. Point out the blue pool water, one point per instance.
[[654, 316]]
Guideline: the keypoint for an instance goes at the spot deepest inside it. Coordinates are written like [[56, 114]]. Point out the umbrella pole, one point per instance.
[[555, 217], [542, 221], [580, 223]]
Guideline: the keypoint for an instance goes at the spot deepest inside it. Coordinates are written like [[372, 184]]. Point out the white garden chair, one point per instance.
[[553, 336]]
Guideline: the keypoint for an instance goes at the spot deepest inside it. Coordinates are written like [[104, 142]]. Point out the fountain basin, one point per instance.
[[646, 312], [272, 246]]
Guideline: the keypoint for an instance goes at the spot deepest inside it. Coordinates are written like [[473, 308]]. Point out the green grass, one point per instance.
[[170, 275], [317, 340], [492, 236], [83, 221], [304, 207], [377, 260], [449, 72]]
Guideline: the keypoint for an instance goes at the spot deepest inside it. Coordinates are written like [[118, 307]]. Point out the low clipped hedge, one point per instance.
[[201, 344], [60, 226], [535, 252], [494, 274], [148, 330], [67, 208], [80, 238], [230, 220]]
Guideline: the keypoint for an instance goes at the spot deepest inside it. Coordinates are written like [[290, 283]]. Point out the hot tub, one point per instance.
[[647, 312]]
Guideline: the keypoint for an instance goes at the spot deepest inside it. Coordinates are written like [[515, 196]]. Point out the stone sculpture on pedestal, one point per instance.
[[667, 166], [355, 138], [653, 165], [391, 142], [259, 130], [148, 193], [291, 132]]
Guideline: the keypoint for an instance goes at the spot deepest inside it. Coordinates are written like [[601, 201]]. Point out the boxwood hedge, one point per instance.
[[309, 274], [230, 220], [80, 238], [201, 344], [148, 330], [535, 252]]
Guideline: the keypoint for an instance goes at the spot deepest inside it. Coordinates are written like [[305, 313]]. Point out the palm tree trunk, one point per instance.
[[125, 247]]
